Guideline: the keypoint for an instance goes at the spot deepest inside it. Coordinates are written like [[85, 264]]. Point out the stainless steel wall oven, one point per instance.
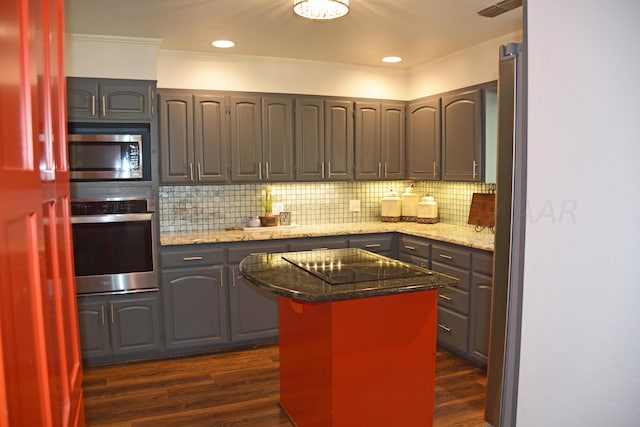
[[114, 245]]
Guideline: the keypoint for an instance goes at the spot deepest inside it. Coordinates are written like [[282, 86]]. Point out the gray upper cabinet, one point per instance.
[[463, 136], [309, 139], [379, 140], [194, 138], [338, 136], [110, 99], [324, 139], [261, 138], [277, 138], [246, 139], [211, 138], [423, 139]]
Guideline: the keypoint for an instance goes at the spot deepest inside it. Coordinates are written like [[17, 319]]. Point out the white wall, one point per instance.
[[102, 56], [475, 65], [580, 356], [111, 57]]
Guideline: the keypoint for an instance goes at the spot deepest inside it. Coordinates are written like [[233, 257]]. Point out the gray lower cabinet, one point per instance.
[[382, 243], [317, 243], [253, 312], [194, 296], [110, 99], [464, 310], [119, 327]]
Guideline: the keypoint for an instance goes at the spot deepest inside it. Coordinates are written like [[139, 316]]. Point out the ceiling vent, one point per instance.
[[499, 8]]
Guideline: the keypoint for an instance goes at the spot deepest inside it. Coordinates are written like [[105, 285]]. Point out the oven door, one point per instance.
[[114, 253]]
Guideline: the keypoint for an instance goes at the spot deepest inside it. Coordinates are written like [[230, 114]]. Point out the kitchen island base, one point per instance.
[[359, 362]]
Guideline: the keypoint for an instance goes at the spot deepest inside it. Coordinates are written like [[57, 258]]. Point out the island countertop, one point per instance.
[[275, 274]]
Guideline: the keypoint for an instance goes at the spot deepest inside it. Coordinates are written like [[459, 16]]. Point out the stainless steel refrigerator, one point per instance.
[[504, 344]]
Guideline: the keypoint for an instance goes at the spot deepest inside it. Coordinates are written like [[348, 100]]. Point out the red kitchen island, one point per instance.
[[354, 350]]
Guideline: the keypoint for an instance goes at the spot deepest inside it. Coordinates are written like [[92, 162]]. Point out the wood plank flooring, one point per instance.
[[241, 388]]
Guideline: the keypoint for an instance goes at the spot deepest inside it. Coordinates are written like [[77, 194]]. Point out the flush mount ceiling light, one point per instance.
[[223, 44], [391, 59], [324, 10]]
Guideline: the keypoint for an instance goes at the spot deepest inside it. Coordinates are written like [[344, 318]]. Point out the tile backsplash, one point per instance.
[[216, 207]]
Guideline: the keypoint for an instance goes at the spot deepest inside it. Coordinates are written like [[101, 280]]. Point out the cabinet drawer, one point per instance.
[[463, 276], [310, 244], [451, 256], [453, 329], [483, 263], [191, 257], [241, 251], [378, 243], [454, 299], [414, 246], [415, 260]]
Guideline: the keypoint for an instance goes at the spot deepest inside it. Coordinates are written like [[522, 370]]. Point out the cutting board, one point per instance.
[[483, 210]]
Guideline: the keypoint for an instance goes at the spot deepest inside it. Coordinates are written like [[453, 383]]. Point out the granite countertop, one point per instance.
[[459, 235], [274, 274]]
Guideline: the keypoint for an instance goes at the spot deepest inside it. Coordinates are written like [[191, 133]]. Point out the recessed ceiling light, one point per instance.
[[223, 44], [391, 59]]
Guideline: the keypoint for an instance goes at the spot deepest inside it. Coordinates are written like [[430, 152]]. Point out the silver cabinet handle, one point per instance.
[[379, 170], [385, 169], [191, 172], [104, 106], [446, 256], [373, 245], [322, 170], [266, 170], [102, 313], [222, 279], [411, 248], [192, 258], [93, 105], [113, 316], [475, 169], [444, 328], [260, 171], [328, 169], [199, 171], [435, 169], [445, 297]]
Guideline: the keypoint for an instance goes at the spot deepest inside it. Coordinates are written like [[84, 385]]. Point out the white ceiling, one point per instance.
[[416, 30]]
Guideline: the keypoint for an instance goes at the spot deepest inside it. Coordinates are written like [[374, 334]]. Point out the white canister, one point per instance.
[[427, 210], [410, 204], [391, 207]]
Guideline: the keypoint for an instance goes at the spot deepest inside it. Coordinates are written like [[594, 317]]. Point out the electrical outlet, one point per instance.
[[354, 205]]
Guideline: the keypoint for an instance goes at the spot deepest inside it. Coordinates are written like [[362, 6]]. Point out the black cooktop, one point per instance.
[[342, 266]]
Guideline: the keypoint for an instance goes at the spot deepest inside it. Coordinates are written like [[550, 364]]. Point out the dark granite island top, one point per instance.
[[328, 275]]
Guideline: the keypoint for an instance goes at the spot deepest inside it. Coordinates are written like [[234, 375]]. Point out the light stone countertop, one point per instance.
[[464, 236]]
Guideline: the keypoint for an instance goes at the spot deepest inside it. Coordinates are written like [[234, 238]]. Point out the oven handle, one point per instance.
[[101, 219]]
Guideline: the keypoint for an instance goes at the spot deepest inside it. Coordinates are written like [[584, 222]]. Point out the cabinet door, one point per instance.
[[176, 138], [126, 100], [277, 138], [423, 140], [462, 137], [94, 328], [246, 139], [338, 137], [368, 150], [392, 140], [481, 290], [82, 98], [253, 313], [309, 139], [194, 301], [211, 138], [135, 324]]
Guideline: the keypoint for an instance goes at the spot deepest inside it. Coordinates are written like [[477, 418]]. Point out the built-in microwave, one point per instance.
[[109, 153]]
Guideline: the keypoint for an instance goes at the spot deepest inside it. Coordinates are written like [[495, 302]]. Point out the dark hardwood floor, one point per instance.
[[240, 388]]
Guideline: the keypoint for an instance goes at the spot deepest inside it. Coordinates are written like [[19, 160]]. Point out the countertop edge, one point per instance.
[[448, 233]]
